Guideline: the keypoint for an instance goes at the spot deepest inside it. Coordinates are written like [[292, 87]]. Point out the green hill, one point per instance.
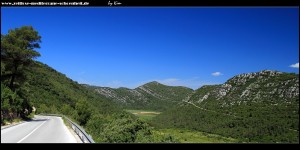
[[153, 96], [54, 90], [252, 107]]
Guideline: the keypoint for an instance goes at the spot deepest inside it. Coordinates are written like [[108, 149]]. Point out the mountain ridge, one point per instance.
[[155, 82], [151, 82], [151, 95]]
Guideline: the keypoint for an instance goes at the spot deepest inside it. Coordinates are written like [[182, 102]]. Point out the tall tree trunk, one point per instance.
[[13, 77], [11, 85]]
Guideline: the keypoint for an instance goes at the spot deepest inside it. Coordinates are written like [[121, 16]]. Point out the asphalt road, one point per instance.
[[43, 129]]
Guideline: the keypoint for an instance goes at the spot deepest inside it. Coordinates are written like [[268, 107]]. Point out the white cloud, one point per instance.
[[169, 81], [84, 81], [114, 84], [296, 65], [193, 83], [82, 73], [217, 74]]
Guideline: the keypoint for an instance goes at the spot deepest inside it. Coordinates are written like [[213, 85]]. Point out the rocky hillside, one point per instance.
[[266, 86], [254, 107], [152, 95]]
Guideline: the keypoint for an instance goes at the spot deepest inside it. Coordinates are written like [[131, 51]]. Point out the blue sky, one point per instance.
[[127, 47]]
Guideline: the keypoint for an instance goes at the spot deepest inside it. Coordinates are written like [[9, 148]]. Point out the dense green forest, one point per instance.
[[254, 107], [28, 85]]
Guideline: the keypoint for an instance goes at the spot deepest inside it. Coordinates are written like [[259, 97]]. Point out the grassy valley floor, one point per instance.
[[188, 136], [181, 135], [145, 115]]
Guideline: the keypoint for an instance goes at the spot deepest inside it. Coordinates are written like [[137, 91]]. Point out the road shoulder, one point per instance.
[[11, 125]]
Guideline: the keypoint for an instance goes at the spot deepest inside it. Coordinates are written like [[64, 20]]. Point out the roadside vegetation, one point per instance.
[[17, 54]]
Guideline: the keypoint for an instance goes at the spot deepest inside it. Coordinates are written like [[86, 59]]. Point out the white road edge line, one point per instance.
[[30, 133]]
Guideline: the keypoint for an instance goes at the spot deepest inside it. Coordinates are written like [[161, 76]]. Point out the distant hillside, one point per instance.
[[254, 107], [152, 95]]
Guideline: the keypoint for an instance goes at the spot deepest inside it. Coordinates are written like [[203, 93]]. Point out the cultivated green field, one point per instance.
[[145, 115], [187, 136], [182, 135]]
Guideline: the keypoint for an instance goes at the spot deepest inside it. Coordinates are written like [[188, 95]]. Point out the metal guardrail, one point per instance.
[[84, 137]]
